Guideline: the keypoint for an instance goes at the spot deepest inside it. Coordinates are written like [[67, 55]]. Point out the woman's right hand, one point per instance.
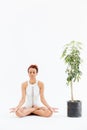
[[13, 109]]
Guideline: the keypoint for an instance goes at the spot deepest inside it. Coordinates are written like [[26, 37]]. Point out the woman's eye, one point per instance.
[[32, 72]]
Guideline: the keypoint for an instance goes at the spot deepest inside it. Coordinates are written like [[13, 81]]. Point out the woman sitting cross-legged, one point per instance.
[[33, 93]]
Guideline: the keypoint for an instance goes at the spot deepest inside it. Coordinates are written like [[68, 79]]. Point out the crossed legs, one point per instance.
[[43, 111], [39, 111]]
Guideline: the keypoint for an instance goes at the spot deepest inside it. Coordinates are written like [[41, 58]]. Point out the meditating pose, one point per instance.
[[33, 97]]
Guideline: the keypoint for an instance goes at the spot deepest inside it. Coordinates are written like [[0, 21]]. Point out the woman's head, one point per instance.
[[34, 67], [32, 71]]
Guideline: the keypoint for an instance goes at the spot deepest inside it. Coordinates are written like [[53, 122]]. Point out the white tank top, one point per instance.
[[32, 95]]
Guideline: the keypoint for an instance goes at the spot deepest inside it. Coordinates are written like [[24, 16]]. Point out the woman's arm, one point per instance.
[[43, 100], [23, 89], [21, 102]]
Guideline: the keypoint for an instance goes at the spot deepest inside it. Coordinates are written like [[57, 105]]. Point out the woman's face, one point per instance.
[[32, 73]]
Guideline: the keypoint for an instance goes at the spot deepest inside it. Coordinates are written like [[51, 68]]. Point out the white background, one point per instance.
[[34, 32]]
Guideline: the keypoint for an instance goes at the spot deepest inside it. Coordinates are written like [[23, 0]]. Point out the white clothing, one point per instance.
[[32, 95]]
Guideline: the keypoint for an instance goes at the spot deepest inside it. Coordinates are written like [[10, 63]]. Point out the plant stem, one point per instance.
[[72, 99]]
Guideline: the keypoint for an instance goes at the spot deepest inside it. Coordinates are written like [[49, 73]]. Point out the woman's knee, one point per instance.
[[19, 114], [48, 113]]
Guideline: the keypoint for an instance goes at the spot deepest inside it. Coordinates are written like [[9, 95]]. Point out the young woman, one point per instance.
[[33, 93]]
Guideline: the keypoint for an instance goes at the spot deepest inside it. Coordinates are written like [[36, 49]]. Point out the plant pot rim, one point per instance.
[[74, 101]]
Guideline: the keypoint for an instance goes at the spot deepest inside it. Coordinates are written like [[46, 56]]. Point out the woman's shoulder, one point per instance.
[[25, 84], [40, 84]]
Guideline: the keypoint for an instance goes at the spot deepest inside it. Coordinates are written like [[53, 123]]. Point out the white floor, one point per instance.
[[56, 122]]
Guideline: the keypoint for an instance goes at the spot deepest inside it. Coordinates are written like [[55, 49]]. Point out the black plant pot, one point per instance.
[[74, 109]]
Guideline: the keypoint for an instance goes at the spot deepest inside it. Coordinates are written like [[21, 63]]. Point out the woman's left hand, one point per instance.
[[53, 109]]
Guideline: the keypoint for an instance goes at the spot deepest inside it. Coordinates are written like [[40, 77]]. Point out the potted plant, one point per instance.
[[72, 58]]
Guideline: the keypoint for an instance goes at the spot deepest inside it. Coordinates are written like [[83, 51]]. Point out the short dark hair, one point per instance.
[[33, 66]]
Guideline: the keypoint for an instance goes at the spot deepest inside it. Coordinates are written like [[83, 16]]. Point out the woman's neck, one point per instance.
[[32, 81]]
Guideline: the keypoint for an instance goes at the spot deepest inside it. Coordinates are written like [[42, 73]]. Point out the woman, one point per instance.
[[33, 91]]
